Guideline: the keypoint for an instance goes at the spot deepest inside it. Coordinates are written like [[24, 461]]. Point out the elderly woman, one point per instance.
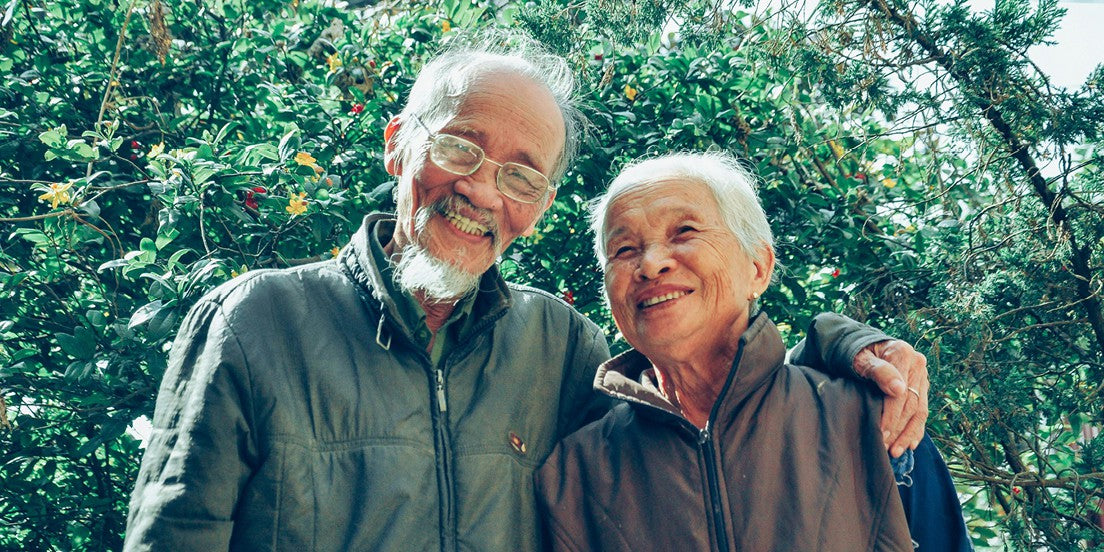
[[718, 443]]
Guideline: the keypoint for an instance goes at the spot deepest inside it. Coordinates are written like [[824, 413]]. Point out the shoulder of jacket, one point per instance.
[[610, 427], [530, 297], [269, 284], [837, 392]]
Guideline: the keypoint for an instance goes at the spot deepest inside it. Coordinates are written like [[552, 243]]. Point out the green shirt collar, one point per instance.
[[408, 308]]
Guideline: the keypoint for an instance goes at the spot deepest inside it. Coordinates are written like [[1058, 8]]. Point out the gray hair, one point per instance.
[[444, 82], [732, 185]]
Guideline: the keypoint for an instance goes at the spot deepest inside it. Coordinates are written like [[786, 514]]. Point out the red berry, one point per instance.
[[356, 109], [133, 157], [259, 190], [569, 297], [836, 273], [372, 63], [598, 57], [1015, 490], [134, 144]]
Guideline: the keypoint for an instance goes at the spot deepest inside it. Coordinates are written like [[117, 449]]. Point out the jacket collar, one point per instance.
[[492, 296], [760, 354]]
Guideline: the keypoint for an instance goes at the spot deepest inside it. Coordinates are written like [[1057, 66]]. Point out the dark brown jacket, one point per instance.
[[789, 460]]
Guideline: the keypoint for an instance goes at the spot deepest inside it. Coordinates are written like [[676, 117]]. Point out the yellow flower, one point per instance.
[[305, 159], [446, 26], [334, 61], [836, 148], [630, 92], [335, 251], [58, 194], [889, 182], [297, 204], [156, 150]]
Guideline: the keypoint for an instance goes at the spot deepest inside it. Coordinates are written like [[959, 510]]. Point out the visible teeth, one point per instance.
[[465, 224], [662, 298]]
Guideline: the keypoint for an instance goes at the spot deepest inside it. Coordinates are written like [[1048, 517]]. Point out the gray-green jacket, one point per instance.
[[297, 415]]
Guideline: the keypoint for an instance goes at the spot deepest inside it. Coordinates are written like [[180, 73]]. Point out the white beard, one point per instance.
[[418, 270]]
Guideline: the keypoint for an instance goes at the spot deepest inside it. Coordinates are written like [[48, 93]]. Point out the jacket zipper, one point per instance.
[[444, 462], [705, 441], [442, 404]]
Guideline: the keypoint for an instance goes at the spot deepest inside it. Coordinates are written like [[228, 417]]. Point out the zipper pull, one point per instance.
[[441, 403], [704, 435]]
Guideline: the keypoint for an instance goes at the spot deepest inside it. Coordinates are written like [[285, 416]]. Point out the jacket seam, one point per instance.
[[252, 422], [610, 520], [563, 536], [878, 514], [248, 374]]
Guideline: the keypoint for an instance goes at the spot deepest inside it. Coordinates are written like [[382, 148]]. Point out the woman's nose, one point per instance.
[[655, 260]]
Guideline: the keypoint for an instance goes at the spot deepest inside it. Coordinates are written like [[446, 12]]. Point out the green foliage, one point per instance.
[[151, 152], [255, 141]]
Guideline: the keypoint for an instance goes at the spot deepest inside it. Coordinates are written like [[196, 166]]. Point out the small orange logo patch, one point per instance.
[[517, 443]]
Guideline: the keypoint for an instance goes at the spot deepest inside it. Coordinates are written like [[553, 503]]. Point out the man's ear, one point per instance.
[[547, 203], [391, 151]]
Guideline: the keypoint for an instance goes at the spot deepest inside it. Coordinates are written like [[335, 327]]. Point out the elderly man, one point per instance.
[[400, 396]]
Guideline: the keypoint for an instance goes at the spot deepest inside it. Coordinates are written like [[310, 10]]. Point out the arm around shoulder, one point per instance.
[[832, 343]]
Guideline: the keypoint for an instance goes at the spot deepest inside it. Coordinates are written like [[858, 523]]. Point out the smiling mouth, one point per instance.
[[465, 224], [662, 298]]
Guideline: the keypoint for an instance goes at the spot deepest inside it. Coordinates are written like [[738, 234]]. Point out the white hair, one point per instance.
[[446, 80], [732, 185]]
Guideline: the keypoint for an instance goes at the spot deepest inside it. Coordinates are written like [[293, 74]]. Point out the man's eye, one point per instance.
[[520, 180], [461, 147]]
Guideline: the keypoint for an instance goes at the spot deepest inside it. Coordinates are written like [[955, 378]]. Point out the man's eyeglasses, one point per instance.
[[459, 156]]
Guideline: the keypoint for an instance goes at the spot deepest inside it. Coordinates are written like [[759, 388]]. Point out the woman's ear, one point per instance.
[[764, 269], [391, 153]]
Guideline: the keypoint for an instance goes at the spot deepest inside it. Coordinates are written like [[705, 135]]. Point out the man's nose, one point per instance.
[[481, 187]]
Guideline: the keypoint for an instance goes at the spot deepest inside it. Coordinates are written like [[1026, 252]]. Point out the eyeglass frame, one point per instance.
[[432, 140]]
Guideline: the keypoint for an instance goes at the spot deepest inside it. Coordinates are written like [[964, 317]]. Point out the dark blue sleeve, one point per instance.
[[931, 502]]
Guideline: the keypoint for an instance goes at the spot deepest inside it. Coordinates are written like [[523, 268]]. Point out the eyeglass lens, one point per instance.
[[459, 156]]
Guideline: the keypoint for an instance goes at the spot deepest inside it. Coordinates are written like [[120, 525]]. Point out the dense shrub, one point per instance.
[[149, 152]]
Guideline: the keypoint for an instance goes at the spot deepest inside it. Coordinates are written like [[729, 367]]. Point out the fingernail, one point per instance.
[[896, 451]]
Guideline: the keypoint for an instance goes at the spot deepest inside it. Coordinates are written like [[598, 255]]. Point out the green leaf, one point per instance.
[[145, 313], [289, 144], [81, 344], [54, 138]]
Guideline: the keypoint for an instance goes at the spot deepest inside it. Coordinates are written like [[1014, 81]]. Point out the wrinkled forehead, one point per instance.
[[508, 111], [652, 194]]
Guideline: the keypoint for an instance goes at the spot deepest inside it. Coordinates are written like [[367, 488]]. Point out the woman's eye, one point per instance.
[[622, 251], [686, 229]]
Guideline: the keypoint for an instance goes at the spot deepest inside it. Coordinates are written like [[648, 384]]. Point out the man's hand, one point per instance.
[[902, 374]]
